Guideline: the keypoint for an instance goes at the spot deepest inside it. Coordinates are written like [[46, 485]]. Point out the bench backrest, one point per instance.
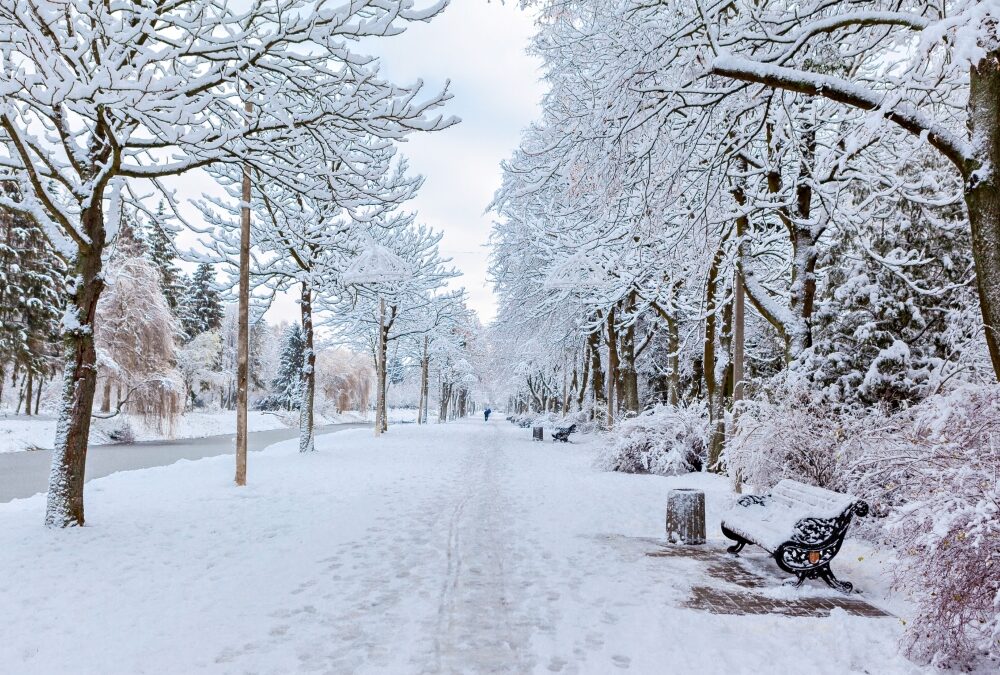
[[809, 500]]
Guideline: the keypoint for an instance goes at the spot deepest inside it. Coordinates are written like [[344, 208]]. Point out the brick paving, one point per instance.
[[740, 593]]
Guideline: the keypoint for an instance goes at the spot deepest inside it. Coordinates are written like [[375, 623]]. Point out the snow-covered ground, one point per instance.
[[453, 548], [19, 432]]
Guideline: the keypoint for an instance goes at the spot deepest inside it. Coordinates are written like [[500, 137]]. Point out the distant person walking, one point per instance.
[[486, 414]]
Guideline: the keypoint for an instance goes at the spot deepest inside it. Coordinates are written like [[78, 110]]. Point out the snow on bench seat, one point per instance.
[[770, 521]]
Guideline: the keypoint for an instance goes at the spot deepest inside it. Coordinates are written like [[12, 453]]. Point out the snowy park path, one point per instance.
[[459, 548]]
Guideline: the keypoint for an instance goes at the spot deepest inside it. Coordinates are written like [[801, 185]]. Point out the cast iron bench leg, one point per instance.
[[833, 582]]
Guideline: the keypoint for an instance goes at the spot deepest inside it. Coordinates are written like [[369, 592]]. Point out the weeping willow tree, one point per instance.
[[135, 341]]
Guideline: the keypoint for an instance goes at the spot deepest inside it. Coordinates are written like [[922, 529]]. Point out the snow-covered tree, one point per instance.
[[136, 336], [162, 254], [31, 287], [196, 363], [286, 388], [201, 307], [101, 96]]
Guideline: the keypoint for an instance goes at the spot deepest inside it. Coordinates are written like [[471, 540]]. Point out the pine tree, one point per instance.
[[202, 308], [286, 388], [31, 292], [161, 252]]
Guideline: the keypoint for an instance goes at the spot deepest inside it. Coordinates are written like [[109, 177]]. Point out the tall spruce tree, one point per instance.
[[286, 388], [202, 307], [31, 292], [161, 252]]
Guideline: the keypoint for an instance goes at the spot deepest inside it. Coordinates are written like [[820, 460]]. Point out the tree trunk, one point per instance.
[[596, 370], [802, 298], [243, 327], [379, 384], [106, 397], [28, 394], [384, 362], [739, 338], [582, 391], [306, 440], [716, 413], [38, 392], [443, 408], [674, 347], [982, 194], [423, 384], [629, 379], [612, 365], [425, 367], [64, 506]]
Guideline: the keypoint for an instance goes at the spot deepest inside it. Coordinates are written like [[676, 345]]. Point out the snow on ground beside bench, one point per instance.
[[463, 547]]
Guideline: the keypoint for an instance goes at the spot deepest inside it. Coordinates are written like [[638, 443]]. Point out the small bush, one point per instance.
[[793, 435], [122, 435], [666, 440]]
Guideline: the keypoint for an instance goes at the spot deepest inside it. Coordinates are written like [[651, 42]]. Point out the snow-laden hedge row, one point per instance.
[[665, 440]]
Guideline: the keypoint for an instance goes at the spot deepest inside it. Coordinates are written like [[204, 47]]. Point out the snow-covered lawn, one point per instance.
[[449, 548], [18, 432]]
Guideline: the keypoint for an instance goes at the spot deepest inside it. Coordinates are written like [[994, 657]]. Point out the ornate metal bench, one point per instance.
[[562, 433], [800, 525]]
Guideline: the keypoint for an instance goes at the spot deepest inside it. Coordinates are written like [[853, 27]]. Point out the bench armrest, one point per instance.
[[752, 500]]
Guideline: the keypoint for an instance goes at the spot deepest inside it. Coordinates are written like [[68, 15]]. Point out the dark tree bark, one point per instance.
[[629, 378], [596, 369], [28, 393], [64, 507], [982, 194], [584, 378], [38, 392]]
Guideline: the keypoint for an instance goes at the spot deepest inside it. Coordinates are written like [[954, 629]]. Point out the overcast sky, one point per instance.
[[480, 46]]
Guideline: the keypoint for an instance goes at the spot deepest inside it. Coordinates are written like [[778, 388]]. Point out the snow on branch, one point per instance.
[[843, 91]]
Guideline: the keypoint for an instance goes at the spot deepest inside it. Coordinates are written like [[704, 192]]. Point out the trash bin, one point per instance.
[[686, 516]]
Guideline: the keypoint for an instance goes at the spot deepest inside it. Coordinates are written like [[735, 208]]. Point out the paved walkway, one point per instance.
[[745, 584], [455, 549]]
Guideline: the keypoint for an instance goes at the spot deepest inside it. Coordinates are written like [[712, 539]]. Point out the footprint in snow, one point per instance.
[[621, 661]]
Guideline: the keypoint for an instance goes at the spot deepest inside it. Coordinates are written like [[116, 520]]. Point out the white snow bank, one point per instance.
[[463, 547], [27, 433]]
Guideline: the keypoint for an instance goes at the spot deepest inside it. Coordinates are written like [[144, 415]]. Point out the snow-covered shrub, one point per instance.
[[123, 434], [790, 433], [665, 440], [876, 342], [937, 466]]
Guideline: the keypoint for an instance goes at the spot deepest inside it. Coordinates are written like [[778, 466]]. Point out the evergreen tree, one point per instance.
[[286, 388], [202, 308], [396, 372], [31, 292], [161, 252], [878, 341]]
